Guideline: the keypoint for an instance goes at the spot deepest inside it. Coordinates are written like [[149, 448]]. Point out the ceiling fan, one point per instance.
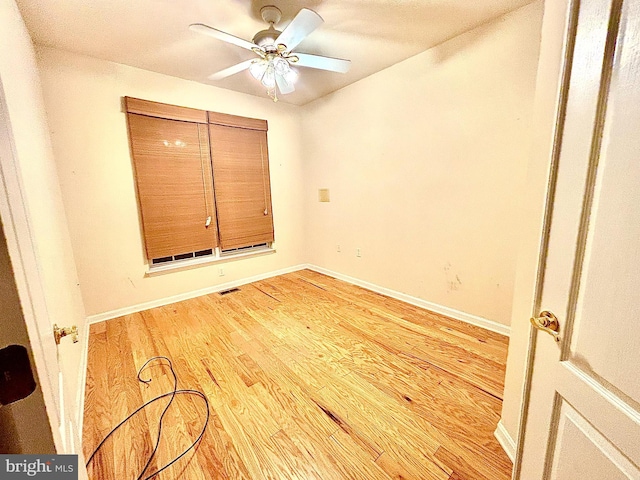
[[275, 51]]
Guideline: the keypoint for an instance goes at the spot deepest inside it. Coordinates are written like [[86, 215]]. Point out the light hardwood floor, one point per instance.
[[308, 377]]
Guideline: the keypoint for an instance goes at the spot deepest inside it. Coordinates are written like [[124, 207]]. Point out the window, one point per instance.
[[202, 180]]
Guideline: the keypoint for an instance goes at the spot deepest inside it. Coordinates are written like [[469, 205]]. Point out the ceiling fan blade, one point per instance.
[[227, 72], [284, 85], [323, 63], [305, 22], [220, 35]]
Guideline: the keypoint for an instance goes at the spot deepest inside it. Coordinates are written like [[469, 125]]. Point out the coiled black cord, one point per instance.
[[171, 394]]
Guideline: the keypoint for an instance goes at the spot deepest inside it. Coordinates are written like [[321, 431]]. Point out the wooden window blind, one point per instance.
[[173, 176], [202, 179], [163, 110], [240, 161]]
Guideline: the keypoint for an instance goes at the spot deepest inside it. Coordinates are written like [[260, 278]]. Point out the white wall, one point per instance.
[[23, 94], [90, 142], [40, 189], [425, 162]]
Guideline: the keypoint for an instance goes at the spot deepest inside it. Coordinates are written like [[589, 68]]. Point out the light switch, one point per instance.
[[323, 195]]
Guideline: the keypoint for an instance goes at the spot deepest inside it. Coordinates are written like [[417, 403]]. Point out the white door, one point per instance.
[[24, 260], [583, 414]]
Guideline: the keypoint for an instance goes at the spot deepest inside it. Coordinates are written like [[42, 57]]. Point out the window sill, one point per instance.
[[179, 265]]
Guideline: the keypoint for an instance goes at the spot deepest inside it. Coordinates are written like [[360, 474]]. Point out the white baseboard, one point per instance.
[[507, 443], [101, 317], [419, 302]]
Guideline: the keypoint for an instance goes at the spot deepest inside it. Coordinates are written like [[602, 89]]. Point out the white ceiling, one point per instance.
[[154, 34]]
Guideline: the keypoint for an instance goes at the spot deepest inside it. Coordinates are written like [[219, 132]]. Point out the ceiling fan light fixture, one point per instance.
[[269, 77], [274, 67], [281, 66], [265, 71], [257, 68]]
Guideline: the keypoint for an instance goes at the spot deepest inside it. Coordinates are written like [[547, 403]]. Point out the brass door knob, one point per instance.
[[58, 333], [547, 322]]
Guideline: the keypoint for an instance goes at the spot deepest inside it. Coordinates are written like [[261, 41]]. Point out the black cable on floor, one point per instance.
[[171, 394]]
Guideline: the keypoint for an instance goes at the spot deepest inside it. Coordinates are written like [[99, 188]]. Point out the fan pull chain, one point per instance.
[[273, 94]]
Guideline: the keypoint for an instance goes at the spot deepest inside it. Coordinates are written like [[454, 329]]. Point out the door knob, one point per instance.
[[547, 322], [58, 333]]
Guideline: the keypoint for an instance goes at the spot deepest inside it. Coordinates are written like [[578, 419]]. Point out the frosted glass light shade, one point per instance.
[[269, 77], [265, 71], [258, 68], [281, 66]]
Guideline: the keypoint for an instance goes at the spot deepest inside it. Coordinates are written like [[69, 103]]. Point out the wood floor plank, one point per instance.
[[464, 354], [125, 398], [365, 415], [96, 423], [307, 377], [487, 344]]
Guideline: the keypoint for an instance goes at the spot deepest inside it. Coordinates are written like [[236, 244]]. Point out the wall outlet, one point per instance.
[[358, 254], [221, 271], [338, 248]]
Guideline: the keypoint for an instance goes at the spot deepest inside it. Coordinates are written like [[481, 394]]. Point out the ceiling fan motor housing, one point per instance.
[[267, 38]]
